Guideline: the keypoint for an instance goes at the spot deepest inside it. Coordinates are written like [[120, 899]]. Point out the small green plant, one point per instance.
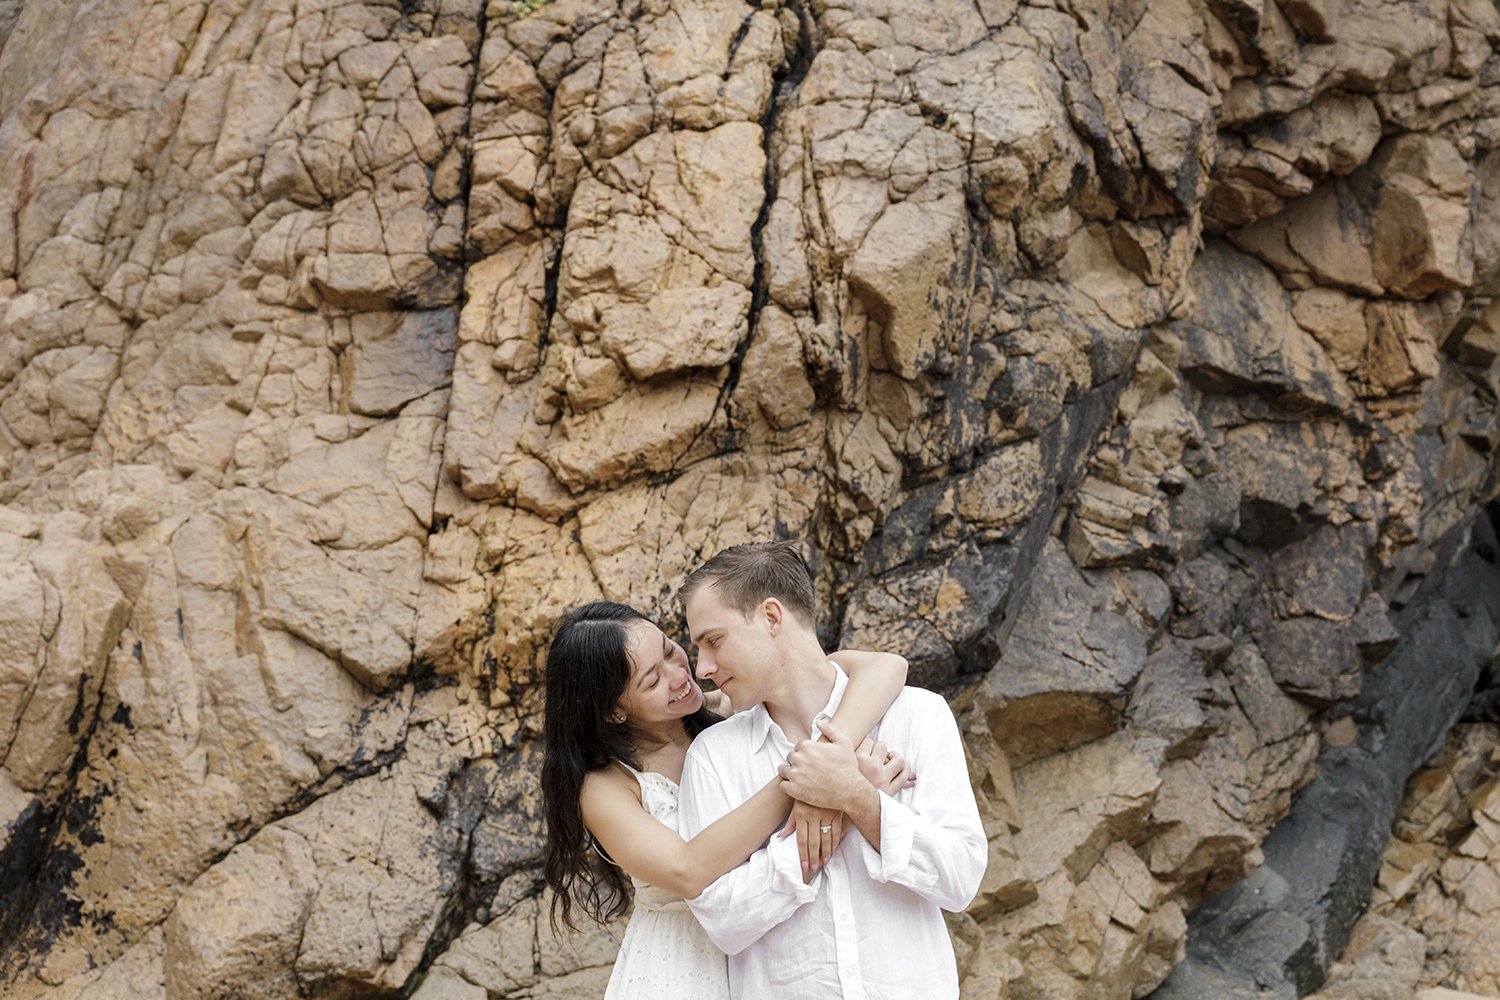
[[521, 8]]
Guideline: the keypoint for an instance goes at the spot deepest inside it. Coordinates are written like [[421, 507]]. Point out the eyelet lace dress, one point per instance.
[[665, 954]]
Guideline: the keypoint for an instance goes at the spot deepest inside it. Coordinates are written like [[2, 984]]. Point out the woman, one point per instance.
[[622, 707]]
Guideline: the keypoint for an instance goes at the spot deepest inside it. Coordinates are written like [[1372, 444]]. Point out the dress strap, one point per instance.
[[600, 851]]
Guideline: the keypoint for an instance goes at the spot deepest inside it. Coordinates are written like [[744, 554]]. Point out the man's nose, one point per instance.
[[706, 665]]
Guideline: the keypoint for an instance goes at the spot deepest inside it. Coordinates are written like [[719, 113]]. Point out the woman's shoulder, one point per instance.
[[610, 780]]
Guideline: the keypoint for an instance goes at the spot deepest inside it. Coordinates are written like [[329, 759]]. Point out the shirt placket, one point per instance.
[[845, 940], [841, 904]]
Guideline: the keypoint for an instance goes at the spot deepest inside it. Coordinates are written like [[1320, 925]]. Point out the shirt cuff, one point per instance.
[[786, 864], [897, 825]]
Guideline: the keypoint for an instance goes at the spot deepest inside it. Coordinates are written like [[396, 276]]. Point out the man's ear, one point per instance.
[[774, 613]]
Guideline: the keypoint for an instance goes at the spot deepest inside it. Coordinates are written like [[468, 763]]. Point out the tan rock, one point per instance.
[[227, 935], [677, 329], [81, 614], [901, 272], [333, 609], [641, 431], [1420, 238], [1320, 238], [1382, 959], [135, 974], [398, 358], [774, 373], [1074, 804]]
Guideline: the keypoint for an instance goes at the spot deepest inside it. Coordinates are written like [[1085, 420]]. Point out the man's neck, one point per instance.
[[806, 688]]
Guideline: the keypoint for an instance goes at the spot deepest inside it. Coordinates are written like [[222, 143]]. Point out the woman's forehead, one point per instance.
[[642, 644]]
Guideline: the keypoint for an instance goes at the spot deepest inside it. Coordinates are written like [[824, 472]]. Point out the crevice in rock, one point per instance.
[[736, 42], [35, 906], [466, 178], [468, 802], [1274, 934], [783, 92], [362, 765]]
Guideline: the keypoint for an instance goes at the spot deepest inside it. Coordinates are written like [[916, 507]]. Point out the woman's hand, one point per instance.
[[718, 702], [883, 767], [818, 831]]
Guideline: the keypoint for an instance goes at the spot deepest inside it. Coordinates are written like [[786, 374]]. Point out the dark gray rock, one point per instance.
[[1275, 933], [1322, 574], [1241, 337], [1068, 667], [1170, 699], [1312, 658]]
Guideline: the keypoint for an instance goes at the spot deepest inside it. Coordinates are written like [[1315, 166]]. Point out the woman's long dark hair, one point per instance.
[[587, 671]]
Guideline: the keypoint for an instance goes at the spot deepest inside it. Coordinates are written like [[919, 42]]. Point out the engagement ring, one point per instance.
[[826, 829]]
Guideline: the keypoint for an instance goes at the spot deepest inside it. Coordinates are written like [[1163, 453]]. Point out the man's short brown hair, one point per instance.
[[745, 575]]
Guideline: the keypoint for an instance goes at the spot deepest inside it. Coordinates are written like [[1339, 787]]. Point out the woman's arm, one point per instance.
[[653, 852], [875, 679]]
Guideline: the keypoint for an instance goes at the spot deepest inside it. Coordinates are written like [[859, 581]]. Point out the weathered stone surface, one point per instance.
[[1130, 368], [1383, 961], [1280, 929], [1438, 878], [1239, 338], [1070, 661]]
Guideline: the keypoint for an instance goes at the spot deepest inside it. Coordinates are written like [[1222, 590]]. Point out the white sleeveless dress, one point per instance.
[[665, 954]]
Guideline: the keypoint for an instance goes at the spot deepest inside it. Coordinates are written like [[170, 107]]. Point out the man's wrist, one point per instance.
[[862, 805]]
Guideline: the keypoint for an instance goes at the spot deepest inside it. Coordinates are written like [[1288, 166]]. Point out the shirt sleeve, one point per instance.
[[742, 905], [934, 844]]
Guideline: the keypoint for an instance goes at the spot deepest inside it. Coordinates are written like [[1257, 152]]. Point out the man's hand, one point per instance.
[[824, 774]]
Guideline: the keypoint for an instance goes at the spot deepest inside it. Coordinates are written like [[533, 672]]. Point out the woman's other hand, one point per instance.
[[717, 702], [883, 767]]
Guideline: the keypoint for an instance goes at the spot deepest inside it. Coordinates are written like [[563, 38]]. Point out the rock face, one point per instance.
[[1440, 871], [1275, 933], [1130, 367]]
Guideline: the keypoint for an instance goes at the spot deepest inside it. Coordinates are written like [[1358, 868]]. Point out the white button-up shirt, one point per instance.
[[869, 927]]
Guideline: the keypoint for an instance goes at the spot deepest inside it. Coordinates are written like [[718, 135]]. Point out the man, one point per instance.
[[869, 925]]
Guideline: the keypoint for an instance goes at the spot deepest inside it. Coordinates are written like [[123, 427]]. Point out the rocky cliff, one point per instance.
[[1132, 367]]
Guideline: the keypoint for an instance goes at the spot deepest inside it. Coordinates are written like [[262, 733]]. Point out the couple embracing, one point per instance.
[[814, 835]]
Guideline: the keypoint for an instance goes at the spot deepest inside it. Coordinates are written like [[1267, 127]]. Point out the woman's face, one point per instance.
[[661, 686]]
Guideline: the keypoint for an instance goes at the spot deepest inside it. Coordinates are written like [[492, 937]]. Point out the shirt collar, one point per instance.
[[760, 724]]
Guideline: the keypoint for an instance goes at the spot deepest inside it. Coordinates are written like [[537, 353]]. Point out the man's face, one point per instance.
[[737, 654]]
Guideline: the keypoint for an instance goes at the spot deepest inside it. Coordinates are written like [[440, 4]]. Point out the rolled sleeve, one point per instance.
[[898, 825], [934, 844]]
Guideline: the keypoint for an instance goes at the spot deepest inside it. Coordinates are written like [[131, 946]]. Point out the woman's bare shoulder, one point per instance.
[[607, 783]]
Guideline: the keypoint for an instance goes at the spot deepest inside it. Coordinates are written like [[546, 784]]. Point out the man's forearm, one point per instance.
[[863, 809], [739, 908]]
